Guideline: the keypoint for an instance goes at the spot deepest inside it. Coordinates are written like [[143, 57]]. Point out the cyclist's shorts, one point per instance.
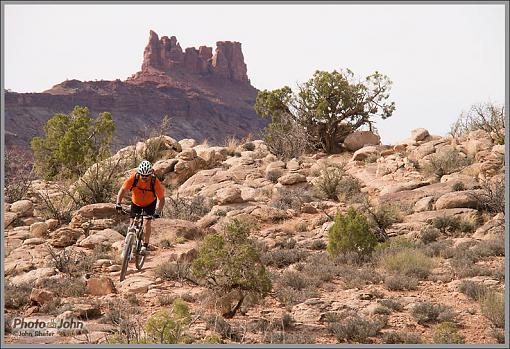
[[147, 210]]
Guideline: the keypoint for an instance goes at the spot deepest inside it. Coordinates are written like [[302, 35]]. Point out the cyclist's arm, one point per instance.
[[122, 192], [160, 194]]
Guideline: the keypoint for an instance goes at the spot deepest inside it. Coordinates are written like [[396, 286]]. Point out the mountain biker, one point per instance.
[[147, 196]]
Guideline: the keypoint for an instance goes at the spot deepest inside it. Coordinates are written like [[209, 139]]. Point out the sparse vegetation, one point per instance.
[[189, 209], [17, 296], [274, 174], [350, 326], [401, 283], [473, 289], [19, 173], [446, 162], [447, 333], [408, 262], [428, 313], [458, 186], [70, 261], [401, 338], [489, 117], [291, 199], [168, 327], [429, 234], [491, 198], [169, 270], [493, 308]]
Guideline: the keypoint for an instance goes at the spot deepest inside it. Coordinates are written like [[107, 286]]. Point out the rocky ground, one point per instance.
[[72, 270]]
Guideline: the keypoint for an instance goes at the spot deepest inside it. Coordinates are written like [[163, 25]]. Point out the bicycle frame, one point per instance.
[[133, 244]]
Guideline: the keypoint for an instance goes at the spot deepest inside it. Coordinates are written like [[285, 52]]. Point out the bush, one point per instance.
[[167, 327], [351, 233], [492, 196], [445, 163], [499, 335], [352, 327], [489, 117], [286, 139], [99, 183], [17, 296], [458, 186], [391, 304], [382, 217], [446, 333], [67, 286], [232, 261], [231, 143], [452, 225], [473, 289], [429, 234], [401, 283], [427, 312], [408, 262], [188, 209], [19, 173], [489, 248], [274, 174], [169, 270], [69, 261], [329, 180], [249, 146], [59, 208], [72, 142], [291, 199], [401, 338], [318, 245], [493, 308], [155, 141], [222, 327], [282, 258]]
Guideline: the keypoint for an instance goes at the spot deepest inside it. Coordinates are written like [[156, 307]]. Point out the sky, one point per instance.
[[441, 58]]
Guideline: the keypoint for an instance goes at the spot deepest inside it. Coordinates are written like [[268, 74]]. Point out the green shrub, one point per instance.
[[447, 333], [408, 262], [167, 327], [351, 233], [458, 186], [493, 308], [427, 312], [232, 261], [72, 142]]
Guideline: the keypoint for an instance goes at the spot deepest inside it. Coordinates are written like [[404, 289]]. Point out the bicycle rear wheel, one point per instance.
[[127, 255]]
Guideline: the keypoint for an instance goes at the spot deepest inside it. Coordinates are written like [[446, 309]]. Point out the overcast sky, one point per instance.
[[441, 58]]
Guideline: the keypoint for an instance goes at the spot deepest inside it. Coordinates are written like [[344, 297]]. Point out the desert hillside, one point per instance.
[[434, 274]]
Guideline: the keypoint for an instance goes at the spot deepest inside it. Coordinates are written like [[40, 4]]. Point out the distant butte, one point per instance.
[[207, 96]]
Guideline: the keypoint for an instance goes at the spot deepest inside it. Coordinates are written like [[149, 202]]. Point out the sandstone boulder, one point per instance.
[[169, 229], [24, 208], [104, 237], [466, 214], [9, 218], [187, 143], [100, 286], [292, 178], [41, 296], [424, 204], [419, 134], [229, 195], [39, 229], [65, 236], [365, 152], [360, 139], [458, 199], [36, 275]]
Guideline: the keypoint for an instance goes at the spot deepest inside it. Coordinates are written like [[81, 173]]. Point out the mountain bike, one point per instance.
[[133, 244]]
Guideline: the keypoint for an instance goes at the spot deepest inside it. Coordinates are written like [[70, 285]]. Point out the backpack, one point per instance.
[[153, 183]]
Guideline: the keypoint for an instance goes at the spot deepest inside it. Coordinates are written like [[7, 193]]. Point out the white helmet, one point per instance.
[[145, 168]]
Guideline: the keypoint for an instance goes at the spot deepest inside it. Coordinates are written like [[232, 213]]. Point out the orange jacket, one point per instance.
[[142, 194]]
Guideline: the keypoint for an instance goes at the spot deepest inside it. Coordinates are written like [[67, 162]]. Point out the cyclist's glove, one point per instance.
[[156, 215], [118, 207]]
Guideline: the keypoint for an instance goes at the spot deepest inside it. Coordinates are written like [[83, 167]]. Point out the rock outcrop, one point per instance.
[[206, 95]]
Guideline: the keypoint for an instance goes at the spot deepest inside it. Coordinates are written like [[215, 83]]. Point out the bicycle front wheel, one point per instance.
[[139, 258], [127, 255]]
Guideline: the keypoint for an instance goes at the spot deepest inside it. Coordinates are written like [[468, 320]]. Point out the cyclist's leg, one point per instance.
[[150, 209]]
